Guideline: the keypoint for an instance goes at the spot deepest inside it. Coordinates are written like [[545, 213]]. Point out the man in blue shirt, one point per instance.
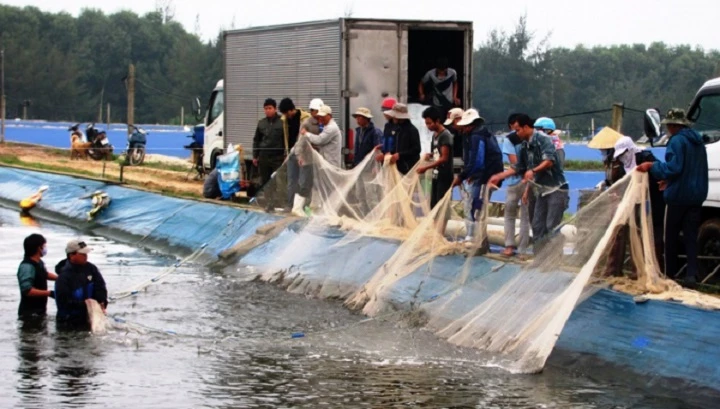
[[539, 165], [684, 180], [482, 158]]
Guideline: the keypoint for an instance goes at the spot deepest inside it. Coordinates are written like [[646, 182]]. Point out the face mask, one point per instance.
[[43, 252], [628, 161]]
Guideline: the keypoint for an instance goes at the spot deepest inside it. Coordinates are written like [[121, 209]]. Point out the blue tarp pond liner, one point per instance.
[[657, 340]]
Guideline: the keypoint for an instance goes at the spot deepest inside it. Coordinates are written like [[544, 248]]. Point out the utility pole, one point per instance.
[[2, 95], [182, 116], [25, 105], [617, 116], [100, 105], [107, 113], [131, 98]]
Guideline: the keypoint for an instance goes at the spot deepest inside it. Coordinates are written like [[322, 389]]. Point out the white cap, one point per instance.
[[316, 103], [470, 116], [452, 115], [325, 110]]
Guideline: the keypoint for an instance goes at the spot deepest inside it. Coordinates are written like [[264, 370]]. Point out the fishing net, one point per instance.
[[514, 311]]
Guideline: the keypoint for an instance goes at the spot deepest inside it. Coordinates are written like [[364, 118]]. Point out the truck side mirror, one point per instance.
[[196, 108], [651, 125]]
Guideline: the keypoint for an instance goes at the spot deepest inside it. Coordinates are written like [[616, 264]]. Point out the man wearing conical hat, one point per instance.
[[684, 176]]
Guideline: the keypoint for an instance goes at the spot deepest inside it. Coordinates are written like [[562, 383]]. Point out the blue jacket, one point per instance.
[[371, 137], [482, 156], [685, 169]]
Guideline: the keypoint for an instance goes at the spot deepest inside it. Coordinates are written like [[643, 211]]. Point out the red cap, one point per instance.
[[388, 103]]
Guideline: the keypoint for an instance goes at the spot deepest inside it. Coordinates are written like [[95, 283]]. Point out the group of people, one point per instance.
[[535, 180], [76, 280]]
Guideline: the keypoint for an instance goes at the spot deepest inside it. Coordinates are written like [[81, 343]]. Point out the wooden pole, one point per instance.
[[107, 113], [617, 116], [182, 116], [131, 98], [100, 106]]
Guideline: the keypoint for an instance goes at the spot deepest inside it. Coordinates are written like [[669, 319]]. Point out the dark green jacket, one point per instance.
[[269, 140]]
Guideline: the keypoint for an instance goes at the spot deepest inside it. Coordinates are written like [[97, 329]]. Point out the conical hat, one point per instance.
[[605, 139]]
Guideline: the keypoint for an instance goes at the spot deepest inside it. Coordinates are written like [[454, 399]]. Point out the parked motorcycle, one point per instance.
[[135, 151], [101, 147]]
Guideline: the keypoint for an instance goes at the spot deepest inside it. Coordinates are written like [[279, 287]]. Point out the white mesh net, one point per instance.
[[514, 311]]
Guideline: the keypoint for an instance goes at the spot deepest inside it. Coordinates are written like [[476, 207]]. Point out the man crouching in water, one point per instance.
[[78, 281]]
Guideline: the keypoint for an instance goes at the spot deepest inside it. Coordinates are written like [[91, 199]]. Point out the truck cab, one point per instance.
[[704, 113], [214, 122]]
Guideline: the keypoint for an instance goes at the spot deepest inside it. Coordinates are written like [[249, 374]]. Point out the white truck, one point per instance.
[[212, 125], [704, 112], [348, 63]]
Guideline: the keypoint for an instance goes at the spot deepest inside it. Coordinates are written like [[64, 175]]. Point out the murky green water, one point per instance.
[[200, 339]]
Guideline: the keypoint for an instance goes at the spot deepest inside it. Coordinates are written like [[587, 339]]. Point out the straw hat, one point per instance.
[[605, 139]]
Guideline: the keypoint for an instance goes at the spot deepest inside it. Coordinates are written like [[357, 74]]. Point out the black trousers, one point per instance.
[[267, 165], [685, 219]]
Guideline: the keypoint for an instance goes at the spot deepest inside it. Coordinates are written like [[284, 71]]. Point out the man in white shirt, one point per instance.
[[329, 141]]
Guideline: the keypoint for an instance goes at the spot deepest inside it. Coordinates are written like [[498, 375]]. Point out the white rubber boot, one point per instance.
[[299, 206]]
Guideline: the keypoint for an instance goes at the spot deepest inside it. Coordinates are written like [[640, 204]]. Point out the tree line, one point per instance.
[[67, 67]]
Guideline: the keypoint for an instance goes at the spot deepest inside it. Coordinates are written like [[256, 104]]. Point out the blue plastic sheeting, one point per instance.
[[654, 338], [182, 223], [658, 338]]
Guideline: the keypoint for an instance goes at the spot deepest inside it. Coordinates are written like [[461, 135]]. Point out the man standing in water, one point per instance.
[[684, 179], [79, 281], [32, 279]]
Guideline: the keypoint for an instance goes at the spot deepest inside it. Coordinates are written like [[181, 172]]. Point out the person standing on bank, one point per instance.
[[269, 142], [387, 144], [441, 84], [292, 118], [367, 135], [32, 279], [684, 180], [482, 158], [406, 148], [539, 165], [440, 154], [514, 197], [80, 280], [329, 141]]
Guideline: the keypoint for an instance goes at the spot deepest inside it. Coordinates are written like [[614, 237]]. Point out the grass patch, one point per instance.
[[583, 165], [13, 160]]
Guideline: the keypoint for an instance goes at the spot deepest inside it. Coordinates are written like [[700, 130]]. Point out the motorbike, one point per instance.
[[196, 147], [100, 144], [135, 151]]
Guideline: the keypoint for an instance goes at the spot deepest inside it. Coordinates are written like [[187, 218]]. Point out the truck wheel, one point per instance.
[[709, 245], [213, 159]]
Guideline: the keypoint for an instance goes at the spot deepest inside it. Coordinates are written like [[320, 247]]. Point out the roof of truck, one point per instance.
[[348, 20], [712, 83]]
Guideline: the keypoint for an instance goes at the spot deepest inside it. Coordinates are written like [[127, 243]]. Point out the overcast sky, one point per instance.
[[569, 22]]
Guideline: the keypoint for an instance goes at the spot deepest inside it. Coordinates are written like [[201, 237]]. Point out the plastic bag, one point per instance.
[[228, 167]]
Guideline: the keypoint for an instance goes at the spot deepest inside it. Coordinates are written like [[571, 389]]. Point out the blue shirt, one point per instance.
[[509, 149]]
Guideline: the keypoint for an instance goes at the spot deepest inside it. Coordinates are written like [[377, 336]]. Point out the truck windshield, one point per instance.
[[706, 117], [216, 106]]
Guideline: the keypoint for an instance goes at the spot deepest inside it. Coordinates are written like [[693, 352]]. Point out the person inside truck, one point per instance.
[[439, 87], [292, 119], [404, 148], [268, 143], [684, 176], [388, 139]]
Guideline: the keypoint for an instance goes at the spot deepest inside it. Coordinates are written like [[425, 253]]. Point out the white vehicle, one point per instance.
[[704, 112], [348, 63], [213, 123]]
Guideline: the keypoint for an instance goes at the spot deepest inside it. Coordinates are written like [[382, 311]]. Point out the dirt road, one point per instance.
[[162, 174]]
